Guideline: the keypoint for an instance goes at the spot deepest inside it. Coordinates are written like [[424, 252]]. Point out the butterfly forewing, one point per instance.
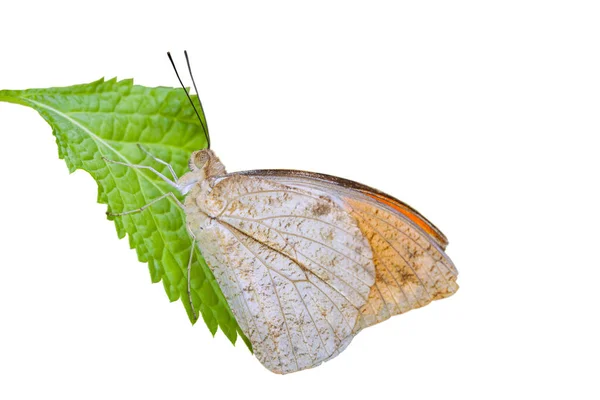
[[411, 266]]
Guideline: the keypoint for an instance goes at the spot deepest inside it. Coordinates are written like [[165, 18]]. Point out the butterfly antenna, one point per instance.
[[205, 126], [190, 99]]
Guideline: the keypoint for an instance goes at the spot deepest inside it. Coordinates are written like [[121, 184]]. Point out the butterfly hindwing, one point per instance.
[[294, 266]]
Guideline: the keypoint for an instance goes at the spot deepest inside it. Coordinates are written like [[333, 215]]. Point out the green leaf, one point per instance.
[[109, 119]]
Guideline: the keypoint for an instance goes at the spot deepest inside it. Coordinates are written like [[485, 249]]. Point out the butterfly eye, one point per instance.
[[199, 159]]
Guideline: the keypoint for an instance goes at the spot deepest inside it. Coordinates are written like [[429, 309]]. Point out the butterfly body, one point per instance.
[[306, 261]]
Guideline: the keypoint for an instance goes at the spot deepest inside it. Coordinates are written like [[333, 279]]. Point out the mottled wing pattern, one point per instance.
[[411, 266], [294, 266]]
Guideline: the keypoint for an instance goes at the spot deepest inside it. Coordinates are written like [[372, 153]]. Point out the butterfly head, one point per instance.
[[204, 164]]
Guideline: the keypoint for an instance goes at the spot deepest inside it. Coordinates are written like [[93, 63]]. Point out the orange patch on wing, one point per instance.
[[410, 214], [408, 273]]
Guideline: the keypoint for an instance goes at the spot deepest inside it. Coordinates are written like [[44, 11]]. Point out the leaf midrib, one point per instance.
[[99, 140]]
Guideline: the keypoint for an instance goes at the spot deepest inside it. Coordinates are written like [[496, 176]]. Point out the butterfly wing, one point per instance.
[[294, 265], [411, 266]]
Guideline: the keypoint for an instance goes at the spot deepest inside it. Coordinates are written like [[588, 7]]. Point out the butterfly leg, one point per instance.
[[137, 166], [142, 208], [190, 259], [158, 160], [189, 276], [174, 198]]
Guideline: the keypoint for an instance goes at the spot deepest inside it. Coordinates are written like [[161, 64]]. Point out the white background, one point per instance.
[[482, 115]]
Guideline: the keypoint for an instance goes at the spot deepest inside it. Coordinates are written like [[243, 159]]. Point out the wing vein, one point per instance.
[[308, 311], [332, 249], [287, 327], [336, 307]]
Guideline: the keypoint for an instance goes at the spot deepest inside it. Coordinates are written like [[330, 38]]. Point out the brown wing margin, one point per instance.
[[376, 195]]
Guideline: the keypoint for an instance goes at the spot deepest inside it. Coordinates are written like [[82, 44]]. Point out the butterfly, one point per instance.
[[307, 260]]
